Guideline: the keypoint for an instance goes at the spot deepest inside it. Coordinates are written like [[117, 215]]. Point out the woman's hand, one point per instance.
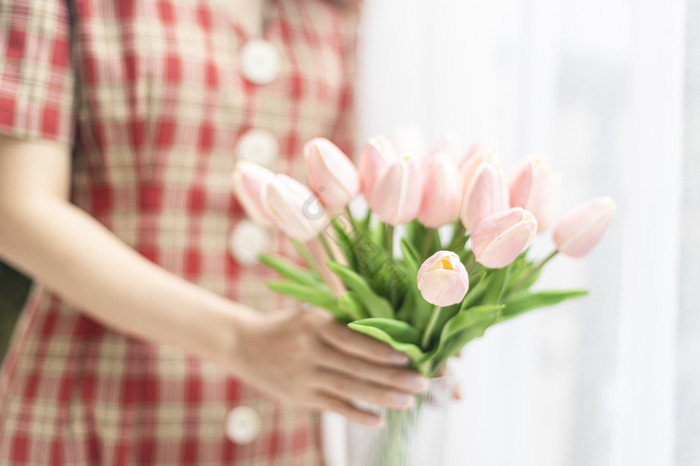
[[308, 358]]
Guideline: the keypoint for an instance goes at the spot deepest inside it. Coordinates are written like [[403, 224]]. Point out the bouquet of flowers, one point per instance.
[[440, 255]]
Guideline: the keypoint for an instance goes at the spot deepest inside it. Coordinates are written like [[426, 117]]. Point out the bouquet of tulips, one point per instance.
[[457, 263]]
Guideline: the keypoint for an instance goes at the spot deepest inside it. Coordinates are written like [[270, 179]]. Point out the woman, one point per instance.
[[144, 344]]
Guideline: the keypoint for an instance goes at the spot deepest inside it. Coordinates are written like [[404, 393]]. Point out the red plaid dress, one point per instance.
[[152, 96]]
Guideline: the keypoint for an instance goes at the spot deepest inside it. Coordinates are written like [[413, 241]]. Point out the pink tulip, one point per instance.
[[396, 197], [248, 182], [482, 151], [578, 231], [376, 156], [294, 208], [332, 175], [442, 192], [442, 279], [500, 238], [533, 187], [485, 195]]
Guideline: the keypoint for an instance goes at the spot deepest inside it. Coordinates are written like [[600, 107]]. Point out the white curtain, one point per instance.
[[609, 90]]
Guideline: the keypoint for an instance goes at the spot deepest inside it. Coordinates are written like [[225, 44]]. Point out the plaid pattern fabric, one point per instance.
[[150, 95]]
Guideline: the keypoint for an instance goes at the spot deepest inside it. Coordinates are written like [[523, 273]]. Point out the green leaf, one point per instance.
[[290, 270], [345, 242], [478, 283], [352, 306], [309, 294], [405, 312], [399, 335], [471, 317], [498, 281], [376, 305], [469, 260], [525, 301], [523, 275], [460, 330], [410, 255]]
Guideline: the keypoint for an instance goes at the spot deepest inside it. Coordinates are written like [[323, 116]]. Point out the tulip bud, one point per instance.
[[377, 154], [482, 151], [248, 182], [442, 279], [502, 237], [332, 175], [578, 231], [534, 187], [485, 196], [397, 194], [294, 208], [441, 192]]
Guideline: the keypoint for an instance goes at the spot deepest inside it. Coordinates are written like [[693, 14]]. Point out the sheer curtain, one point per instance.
[[608, 89]]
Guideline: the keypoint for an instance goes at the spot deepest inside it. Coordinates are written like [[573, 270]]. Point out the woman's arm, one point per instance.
[[303, 357], [67, 250]]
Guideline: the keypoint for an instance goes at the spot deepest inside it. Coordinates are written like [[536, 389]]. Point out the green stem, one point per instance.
[[429, 328], [455, 241], [327, 247], [457, 232], [304, 253], [389, 239], [427, 242], [533, 271], [351, 219]]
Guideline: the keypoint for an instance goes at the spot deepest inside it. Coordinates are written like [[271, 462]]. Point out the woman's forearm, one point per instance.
[[68, 251]]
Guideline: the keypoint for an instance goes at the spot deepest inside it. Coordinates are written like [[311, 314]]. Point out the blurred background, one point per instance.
[[610, 91]]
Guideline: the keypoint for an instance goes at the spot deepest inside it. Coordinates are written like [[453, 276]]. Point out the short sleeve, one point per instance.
[[345, 128], [36, 77]]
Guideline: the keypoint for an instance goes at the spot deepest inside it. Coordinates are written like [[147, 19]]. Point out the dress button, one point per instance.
[[259, 146], [260, 61], [243, 425], [247, 240]]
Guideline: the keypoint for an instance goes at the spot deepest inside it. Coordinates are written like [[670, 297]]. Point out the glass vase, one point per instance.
[[411, 437]]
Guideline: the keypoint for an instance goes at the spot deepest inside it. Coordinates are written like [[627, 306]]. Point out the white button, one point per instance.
[[247, 240], [243, 425], [260, 61], [259, 146]]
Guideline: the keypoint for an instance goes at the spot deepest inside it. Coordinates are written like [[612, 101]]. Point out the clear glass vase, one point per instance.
[[412, 437]]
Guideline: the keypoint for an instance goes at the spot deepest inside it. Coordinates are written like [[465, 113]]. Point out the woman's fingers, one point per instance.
[[456, 391], [399, 378], [349, 388], [329, 402], [362, 346]]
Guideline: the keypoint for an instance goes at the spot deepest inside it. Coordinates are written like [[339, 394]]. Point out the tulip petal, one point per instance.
[[332, 175], [429, 263], [481, 152], [443, 287], [505, 248], [534, 187], [294, 207], [485, 197], [249, 180], [520, 185], [395, 198], [577, 232], [493, 226], [377, 154], [442, 190]]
